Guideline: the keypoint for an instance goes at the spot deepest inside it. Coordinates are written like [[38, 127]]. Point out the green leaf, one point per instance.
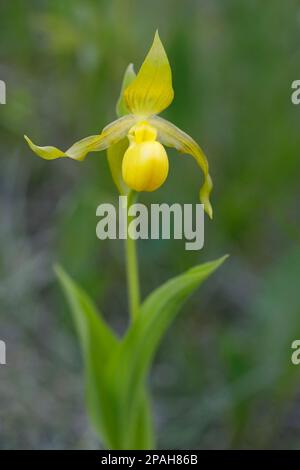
[[97, 342], [129, 76], [131, 362], [141, 436], [116, 370]]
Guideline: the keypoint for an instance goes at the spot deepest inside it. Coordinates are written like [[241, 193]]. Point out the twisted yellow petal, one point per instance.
[[49, 153], [78, 151], [111, 134], [172, 136], [151, 92]]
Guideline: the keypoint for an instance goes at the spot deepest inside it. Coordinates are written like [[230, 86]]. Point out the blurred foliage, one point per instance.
[[224, 373]]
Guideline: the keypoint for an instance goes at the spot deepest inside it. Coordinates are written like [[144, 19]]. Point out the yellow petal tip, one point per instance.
[[156, 35], [48, 153], [207, 206]]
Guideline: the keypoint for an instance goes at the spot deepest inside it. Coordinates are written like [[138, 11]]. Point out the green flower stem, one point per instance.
[[132, 267]]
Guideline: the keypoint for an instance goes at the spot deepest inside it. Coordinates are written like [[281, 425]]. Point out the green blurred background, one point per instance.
[[223, 377]]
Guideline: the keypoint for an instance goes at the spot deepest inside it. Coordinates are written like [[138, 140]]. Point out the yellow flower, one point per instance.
[[140, 135]]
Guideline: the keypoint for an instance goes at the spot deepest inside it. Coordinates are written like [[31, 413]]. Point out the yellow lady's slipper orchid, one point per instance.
[[145, 162]]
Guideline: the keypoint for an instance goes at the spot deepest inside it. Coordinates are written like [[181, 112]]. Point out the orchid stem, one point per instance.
[[132, 267]]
